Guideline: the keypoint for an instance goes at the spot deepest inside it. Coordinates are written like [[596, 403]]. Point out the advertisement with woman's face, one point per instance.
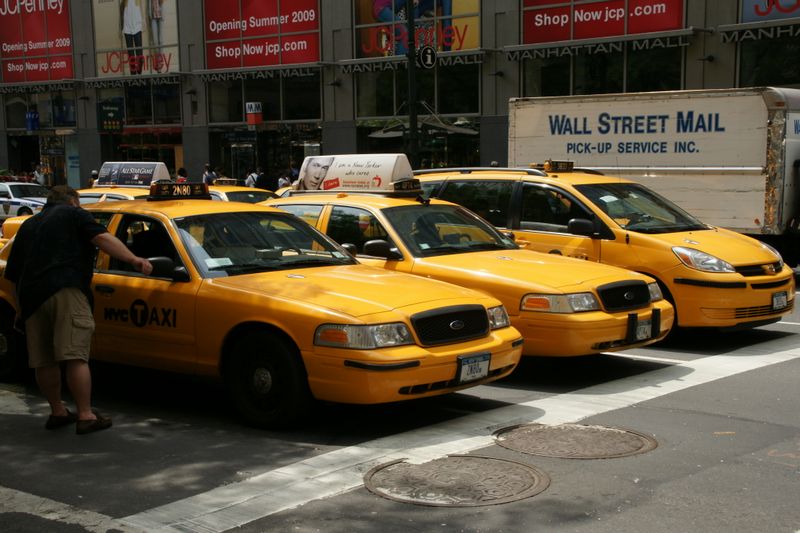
[[313, 172], [136, 37], [447, 25]]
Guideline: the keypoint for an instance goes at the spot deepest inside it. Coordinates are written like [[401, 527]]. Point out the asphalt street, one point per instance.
[[720, 408]]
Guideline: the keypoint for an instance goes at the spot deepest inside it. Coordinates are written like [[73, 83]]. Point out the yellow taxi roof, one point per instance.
[[177, 208], [380, 201], [575, 177]]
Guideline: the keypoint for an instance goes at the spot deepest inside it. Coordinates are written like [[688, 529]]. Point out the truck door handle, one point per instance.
[[105, 289]]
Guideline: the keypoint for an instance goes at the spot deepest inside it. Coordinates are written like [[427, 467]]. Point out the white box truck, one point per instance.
[[728, 156]]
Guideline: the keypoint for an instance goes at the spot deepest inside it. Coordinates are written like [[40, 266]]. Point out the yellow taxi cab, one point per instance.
[[282, 314], [714, 277], [562, 306]]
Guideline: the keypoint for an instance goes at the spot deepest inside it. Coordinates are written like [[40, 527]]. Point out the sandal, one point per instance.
[[58, 421], [88, 426]]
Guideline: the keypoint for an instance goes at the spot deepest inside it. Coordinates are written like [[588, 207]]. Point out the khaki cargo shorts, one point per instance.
[[60, 330]]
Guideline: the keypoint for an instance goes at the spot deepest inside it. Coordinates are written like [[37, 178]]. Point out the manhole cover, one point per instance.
[[456, 481], [574, 441]]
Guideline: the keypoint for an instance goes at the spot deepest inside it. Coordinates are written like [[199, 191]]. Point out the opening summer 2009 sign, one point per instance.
[[248, 33], [35, 41]]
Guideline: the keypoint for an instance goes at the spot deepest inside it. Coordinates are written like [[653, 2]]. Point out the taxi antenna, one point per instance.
[[424, 201]]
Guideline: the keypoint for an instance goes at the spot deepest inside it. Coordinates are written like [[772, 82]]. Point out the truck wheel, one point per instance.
[[267, 381], [12, 348]]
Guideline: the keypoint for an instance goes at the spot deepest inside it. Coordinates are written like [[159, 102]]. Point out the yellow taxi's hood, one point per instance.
[[735, 248], [524, 270], [355, 290]]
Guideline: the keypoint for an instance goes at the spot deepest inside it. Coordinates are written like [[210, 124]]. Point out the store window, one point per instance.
[[770, 62], [289, 98], [625, 71], [225, 101], [598, 73], [16, 108], [55, 109], [547, 77], [654, 70]]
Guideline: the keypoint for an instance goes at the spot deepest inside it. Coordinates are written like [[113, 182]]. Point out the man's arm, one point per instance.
[[117, 249]]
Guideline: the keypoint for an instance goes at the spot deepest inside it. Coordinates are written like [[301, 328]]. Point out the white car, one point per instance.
[[21, 199]]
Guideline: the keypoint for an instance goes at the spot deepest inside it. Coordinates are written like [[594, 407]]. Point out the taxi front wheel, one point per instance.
[[267, 382]]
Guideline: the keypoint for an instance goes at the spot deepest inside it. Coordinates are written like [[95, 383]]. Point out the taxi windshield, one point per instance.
[[229, 244], [429, 230], [637, 208]]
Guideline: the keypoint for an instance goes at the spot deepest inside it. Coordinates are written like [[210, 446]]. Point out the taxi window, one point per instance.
[[489, 199], [250, 197], [309, 213], [146, 237], [102, 218], [548, 209], [236, 243], [351, 225]]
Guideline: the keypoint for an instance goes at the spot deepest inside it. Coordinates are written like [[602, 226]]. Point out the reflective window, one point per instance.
[[488, 199], [770, 62], [350, 225]]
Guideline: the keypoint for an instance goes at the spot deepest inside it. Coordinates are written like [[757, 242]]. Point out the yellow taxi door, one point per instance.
[[542, 225], [144, 320]]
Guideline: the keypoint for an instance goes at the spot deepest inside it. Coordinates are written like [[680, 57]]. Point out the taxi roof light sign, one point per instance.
[[380, 173], [553, 165], [170, 190]]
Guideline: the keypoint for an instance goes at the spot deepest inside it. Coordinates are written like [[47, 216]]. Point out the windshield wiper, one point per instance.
[[247, 267], [486, 246]]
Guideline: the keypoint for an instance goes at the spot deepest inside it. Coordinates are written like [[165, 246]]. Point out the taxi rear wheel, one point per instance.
[[267, 381], [12, 348]]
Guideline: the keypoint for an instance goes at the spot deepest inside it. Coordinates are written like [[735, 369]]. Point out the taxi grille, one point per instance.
[[759, 270], [624, 295], [451, 324], [746, 312]]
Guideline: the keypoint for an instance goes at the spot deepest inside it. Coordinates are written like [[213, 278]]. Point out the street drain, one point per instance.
[[456, 481], [574, 441]]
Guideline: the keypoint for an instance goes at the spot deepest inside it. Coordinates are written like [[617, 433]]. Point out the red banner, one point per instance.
[[35, 41], [607, 18], [255, 33]]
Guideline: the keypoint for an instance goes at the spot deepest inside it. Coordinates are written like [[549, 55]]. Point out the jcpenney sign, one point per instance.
[[606, 18], [18, 7], [756, 10]]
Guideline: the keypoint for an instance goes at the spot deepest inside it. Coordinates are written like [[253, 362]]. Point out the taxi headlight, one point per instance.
[[363, 337], [701, 260], [560, 303], [774, 251], [655, 292], [498, 317]]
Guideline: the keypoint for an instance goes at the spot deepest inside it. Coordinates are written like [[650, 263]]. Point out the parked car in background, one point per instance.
[[18, 198]]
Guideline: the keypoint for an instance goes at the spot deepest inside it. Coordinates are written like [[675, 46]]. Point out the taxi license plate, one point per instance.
[[779, 300], [472, 367], [644, 330]]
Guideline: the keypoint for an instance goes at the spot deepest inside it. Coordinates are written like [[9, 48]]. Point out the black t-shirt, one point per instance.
[[52, 251]]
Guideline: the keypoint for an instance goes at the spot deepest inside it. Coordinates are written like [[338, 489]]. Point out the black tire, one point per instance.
[[22, 211], [267, 381], [13, 355]]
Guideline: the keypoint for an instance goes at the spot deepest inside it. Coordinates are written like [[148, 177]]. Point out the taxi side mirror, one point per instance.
[[381, 248], [581, 226], [350, 248], [164, 267], [509, 235]]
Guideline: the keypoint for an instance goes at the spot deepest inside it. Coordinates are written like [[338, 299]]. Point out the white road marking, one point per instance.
[[647, 358], [21, 502], [334, 473]]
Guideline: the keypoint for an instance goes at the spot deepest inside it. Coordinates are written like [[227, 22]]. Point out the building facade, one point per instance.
[[242, 84]]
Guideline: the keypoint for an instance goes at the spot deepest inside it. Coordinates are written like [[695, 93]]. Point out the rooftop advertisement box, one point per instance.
[[35, 41], [353, 172], [130, 174]]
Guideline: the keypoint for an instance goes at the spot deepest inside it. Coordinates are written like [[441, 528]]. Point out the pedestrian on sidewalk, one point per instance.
[[51, 267]]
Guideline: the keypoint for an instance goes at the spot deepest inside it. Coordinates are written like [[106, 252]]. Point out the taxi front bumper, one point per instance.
[[734, 303], [406, 372], [576, 334]]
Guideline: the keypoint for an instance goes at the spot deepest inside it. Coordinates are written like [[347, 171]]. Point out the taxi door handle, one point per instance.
[[105, 289]]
